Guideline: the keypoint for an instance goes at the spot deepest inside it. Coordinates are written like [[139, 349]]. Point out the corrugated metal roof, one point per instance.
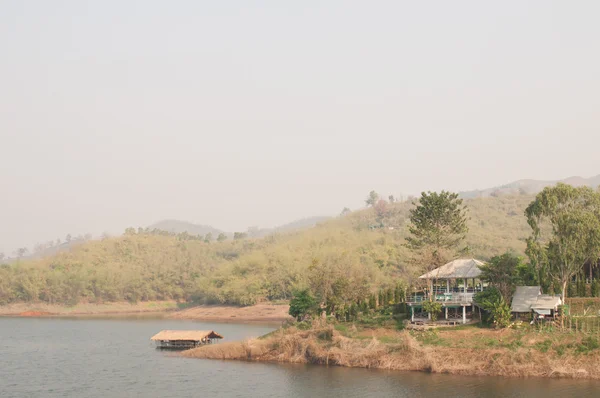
[[546, 302], [457, 269], [524, 298], [194, 335]]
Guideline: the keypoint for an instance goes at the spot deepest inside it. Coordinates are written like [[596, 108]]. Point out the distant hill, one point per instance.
[[529, 187], [297, 225], [177, 226]]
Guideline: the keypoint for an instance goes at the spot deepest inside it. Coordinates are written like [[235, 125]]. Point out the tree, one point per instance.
[[22, 251], [208, 237], [222, 237], [345, 212], [302, 305], [381, 209], [502, 272], [372, 198], [2, 256], [239, 235], [433, 308], [391, 198], [438, 225], [493, 302], [68, 237], [565, 228]]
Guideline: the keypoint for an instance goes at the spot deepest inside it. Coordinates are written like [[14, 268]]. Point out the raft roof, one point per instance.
[[194, 335], [457, 269]]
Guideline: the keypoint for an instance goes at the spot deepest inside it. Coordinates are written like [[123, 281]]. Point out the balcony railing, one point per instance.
[[449, 298]]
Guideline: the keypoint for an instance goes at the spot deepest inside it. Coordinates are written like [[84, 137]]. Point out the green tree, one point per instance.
[[239, 235], [502, 273], [564, 222], [222, 237], [438, 226], [208, 237], [433, 308], [372, 198], [345, 212], [303, 304]]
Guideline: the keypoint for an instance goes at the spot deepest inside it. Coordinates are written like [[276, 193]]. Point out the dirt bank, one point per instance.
[[533, 357], [170, 309], [108, 309], [255, 313]]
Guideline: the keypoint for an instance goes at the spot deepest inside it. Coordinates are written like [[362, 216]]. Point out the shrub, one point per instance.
[[302, 304], [493, 302], [433, 308]]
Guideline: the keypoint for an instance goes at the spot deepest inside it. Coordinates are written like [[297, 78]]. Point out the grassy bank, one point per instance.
[[462, 351]]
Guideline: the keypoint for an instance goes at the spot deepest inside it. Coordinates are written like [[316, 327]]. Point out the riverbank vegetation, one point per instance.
[[466, 350]]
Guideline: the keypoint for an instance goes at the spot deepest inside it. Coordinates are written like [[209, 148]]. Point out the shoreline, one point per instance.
[[268, 313], [400, 350]]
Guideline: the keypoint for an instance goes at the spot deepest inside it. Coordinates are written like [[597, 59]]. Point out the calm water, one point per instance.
[[114, 358]]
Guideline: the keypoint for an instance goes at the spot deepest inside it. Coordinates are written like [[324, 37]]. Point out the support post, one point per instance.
[[412, 313], [447, 285], [464, 314], [446, 313]]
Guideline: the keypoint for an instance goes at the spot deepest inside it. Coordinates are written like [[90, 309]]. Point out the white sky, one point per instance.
[[239, 113]]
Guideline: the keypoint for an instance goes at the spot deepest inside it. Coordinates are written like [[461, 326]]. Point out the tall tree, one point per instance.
[[381, 209], [503, 273], [564, 222], [222, 237], [438, 226], [372, 198], [22, 251]]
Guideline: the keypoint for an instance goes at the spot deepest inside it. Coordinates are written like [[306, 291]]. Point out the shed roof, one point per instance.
[[524, 298], [546, 302], [457, 269], [195, 335]]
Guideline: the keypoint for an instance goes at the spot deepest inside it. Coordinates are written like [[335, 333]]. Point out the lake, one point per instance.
[[51, 357]]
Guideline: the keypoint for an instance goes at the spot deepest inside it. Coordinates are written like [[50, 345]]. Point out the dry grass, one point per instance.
[[324, 345]]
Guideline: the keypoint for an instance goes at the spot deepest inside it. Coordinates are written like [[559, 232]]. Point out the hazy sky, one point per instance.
[[240, 113]]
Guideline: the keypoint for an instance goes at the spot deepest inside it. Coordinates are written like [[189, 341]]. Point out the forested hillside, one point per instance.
[[349, 256]]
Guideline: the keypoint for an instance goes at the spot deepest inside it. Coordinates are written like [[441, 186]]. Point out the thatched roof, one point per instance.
[[195, 335], [457, 269], [524, 298]]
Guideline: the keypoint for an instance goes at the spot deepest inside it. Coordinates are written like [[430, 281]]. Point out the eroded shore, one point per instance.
[[167, 309], [474, 351]]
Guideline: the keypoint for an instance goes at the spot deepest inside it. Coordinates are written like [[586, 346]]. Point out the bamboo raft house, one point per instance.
[[184, 339]]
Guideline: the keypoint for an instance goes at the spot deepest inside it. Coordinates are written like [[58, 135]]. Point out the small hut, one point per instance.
[[523, 299], [528, 299], [184, 339]]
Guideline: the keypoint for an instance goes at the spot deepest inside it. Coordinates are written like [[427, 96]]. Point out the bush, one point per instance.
[[302, 305], [433, 308], [492, 301]]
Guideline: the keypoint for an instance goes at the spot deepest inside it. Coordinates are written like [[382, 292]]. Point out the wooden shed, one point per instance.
[[184, 339]]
